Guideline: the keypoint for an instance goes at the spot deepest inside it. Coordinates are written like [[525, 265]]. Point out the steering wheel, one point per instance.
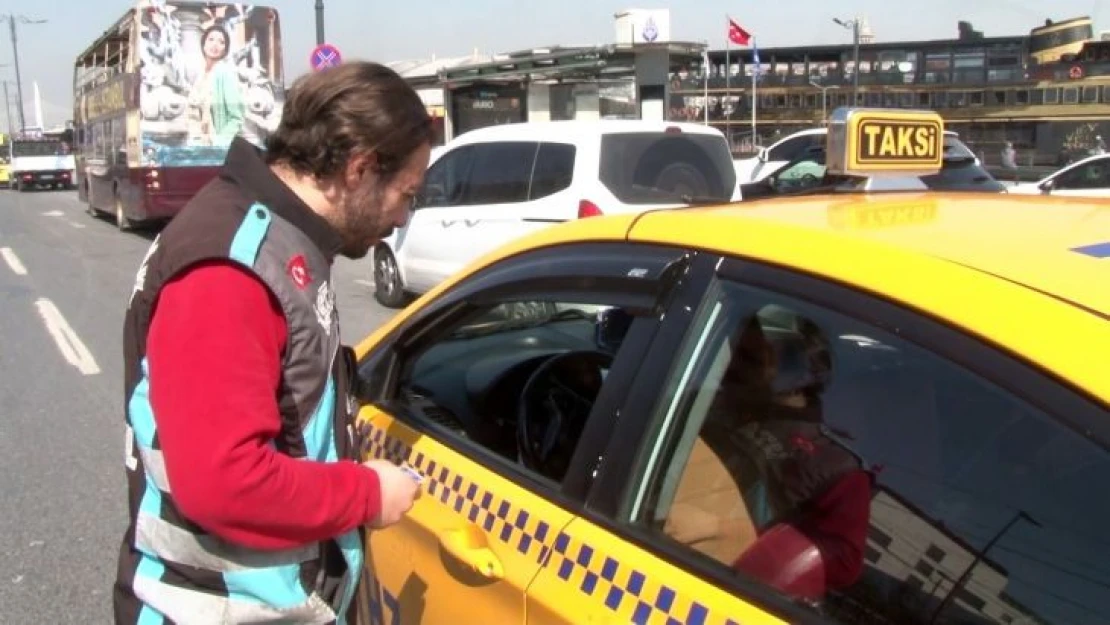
[[553, 408]]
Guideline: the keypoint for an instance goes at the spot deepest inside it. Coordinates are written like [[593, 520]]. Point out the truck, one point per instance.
[[40, 161]]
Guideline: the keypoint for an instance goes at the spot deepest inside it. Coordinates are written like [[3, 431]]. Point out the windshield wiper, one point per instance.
[[703, 200]]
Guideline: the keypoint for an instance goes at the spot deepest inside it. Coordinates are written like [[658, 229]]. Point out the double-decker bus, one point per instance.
[[159, 96]]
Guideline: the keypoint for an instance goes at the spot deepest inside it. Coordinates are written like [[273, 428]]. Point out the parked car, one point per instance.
[[1089, 177], [492, 185]]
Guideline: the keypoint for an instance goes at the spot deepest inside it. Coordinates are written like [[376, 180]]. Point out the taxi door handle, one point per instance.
[[469, 547]]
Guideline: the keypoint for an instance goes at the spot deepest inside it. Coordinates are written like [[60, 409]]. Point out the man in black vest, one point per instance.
[[246, 501]]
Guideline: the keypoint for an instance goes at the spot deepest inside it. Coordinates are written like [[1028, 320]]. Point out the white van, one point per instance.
[[492, 185]]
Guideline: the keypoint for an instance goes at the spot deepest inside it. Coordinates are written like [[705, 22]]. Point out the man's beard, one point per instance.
[[363, 220]]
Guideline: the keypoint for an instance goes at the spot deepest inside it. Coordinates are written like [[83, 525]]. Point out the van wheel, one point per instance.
[[388, 289]]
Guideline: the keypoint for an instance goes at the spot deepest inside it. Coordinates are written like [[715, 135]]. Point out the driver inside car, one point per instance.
[[805, 497]]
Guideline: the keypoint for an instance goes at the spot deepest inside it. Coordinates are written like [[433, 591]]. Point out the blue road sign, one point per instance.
[[324, 56]]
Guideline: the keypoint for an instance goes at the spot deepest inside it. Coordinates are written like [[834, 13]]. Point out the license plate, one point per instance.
[[47, 176]]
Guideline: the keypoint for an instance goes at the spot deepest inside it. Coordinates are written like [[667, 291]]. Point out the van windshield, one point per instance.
[[37, 148], [665, 167]]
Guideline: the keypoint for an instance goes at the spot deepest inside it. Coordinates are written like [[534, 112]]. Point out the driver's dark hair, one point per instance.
[[357, 107]]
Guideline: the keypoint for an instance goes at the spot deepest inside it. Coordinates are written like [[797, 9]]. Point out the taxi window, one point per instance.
[[852, 471], [516, 380]]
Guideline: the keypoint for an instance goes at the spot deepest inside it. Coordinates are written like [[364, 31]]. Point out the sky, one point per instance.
[[393, 31]]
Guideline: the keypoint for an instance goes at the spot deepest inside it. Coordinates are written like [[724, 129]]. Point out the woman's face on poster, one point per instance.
[[215, 44]]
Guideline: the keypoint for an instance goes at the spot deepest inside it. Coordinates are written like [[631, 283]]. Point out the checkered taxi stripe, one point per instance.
[[621, 587]]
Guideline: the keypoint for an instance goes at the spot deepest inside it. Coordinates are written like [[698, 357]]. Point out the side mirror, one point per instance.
[[1047, 185], [763, 154], [612, 326]]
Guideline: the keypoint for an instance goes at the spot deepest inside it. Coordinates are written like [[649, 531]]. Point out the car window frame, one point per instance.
[[574, 157], [1073, 172], [795, 147], [525, 144], [656, 273], [1009, 372], [446, 159]]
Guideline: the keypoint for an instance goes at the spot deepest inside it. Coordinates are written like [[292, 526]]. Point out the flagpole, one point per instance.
[[755, 99], [728, 74], [705, 78]]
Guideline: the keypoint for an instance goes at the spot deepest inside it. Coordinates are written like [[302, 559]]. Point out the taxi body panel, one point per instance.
[[970, 334], [468, 550], [944, 264]]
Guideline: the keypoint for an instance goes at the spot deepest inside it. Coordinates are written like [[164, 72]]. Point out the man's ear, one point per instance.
[[360, 164]]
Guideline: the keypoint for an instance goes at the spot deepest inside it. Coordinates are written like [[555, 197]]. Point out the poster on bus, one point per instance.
[[209, 72]]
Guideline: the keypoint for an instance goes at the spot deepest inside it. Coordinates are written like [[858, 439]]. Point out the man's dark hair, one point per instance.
[[357, 107]]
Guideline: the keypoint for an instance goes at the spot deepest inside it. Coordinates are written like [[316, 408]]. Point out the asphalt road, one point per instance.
[[64, 280]]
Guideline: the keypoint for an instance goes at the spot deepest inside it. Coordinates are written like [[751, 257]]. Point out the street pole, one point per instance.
[[8, 105], [319, 22], [854, 25], [1020, 516], [18, 79], [824, 102], [11, 18], [855, 55]]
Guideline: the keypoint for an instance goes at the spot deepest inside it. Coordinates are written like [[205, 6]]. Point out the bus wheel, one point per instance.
[[122, 222]]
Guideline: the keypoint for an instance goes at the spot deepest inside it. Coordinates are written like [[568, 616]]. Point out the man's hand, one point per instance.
[[398, 491]]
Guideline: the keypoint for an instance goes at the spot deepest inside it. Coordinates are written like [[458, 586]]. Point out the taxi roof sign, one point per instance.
[[884, 142]]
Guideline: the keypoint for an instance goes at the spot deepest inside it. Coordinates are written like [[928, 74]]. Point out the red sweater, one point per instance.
[[214, 351]]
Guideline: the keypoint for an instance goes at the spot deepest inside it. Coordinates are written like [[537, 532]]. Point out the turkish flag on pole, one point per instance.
[[738, 35]]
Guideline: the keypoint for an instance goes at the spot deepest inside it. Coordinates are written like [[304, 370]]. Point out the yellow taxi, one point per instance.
[[833, 408]]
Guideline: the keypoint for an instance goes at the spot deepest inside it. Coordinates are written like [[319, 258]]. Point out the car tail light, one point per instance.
[[587, 208]]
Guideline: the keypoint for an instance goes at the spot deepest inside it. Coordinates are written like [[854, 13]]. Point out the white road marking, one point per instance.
[[365, 283], [53, 214], [73, 350], [13, 261], [76, 225]]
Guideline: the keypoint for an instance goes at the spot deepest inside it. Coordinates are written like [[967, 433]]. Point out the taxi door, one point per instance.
[[604, 569], [469, 547], [598, 577]]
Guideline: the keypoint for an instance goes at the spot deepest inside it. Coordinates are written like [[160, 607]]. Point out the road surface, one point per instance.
[[64, 280]]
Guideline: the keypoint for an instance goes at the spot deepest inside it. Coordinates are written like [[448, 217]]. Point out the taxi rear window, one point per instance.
[[660, 167]]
